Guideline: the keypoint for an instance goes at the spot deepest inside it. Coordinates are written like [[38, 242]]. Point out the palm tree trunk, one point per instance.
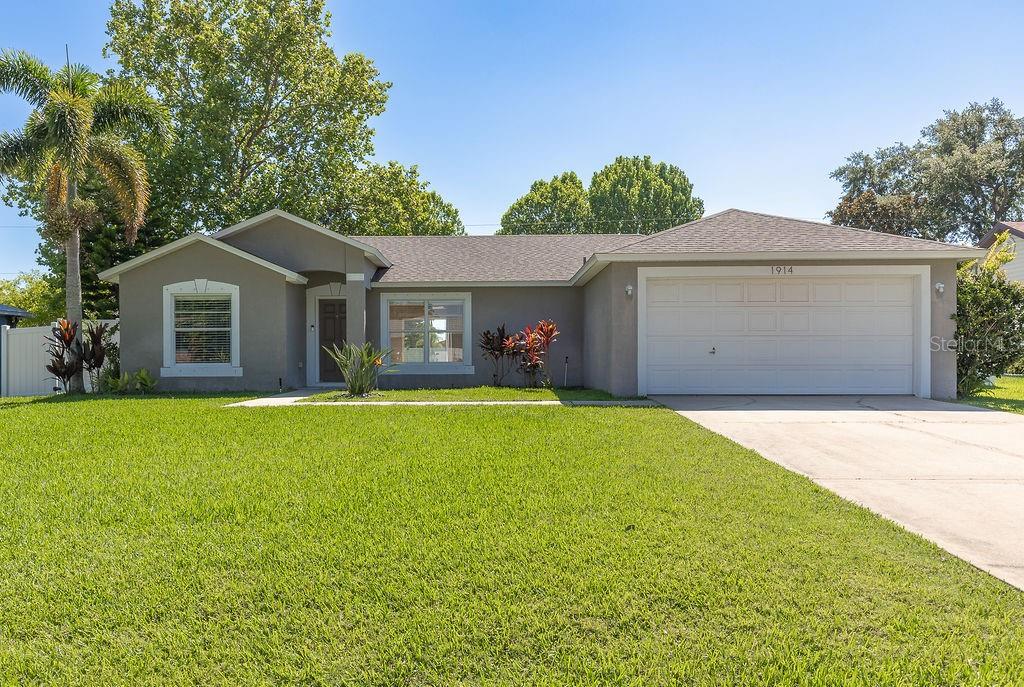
[[73, 281]]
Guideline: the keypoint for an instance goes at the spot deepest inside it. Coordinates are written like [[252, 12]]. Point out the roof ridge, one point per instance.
[[647, 237]]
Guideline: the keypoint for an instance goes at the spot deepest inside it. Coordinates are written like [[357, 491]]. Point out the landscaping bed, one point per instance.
[[168, 540]]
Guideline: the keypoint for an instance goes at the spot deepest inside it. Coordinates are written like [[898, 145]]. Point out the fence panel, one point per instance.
[[23, 360]]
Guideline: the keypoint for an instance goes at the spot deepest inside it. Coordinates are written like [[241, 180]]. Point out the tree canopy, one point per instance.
[[630, 195], [965, 173], [638, 195], [267, 116], [559, 206]]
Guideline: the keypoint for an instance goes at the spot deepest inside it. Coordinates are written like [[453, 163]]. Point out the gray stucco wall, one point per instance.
[[263, 318], [298, 248], [493, 306], [606, 299]]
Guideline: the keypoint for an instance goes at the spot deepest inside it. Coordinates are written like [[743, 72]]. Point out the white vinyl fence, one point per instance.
[[23, 360]]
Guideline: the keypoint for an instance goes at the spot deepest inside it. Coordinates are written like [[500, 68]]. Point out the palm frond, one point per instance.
[[79, 80], [26, 76], [16, 151], [121, 106], [68, 124], [124, 171]]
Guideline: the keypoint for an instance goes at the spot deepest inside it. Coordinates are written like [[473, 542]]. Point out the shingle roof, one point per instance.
[[11, 311], [489, 258], [1015, 228], [739, 231]]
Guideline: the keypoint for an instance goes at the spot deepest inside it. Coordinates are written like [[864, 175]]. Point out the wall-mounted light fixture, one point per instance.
[[940, 288], [629, 289]]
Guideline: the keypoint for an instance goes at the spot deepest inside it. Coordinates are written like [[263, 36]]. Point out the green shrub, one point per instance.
[[359, 365], [989, 319]]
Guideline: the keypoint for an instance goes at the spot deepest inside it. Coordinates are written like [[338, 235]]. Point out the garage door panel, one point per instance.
[[862, 291], [697, 292], [826, 292], [665, 322], [730, 320], [762, 292], [822, 336], [729, 292], [895, 291], [795, 292], [762, 321]]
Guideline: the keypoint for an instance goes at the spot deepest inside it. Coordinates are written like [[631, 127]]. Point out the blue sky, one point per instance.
[[756, 103]]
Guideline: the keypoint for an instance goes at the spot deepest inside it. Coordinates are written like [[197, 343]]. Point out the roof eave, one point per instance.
[[598, 261], [468, 284], [113, 274]]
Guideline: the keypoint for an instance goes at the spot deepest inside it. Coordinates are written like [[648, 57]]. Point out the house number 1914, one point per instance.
[[782, 269]]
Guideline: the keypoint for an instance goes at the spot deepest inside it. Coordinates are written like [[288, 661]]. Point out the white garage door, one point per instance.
[[822, 335]]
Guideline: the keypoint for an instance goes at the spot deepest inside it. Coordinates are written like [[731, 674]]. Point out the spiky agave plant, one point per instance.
[[80, 124], [359, 365]]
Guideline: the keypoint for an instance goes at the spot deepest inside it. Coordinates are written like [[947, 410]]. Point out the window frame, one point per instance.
[[427, 367], [172, 368]]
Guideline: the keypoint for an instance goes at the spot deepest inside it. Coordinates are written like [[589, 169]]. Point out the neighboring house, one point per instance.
[[1015, 268], [737, 302], [11, 316]]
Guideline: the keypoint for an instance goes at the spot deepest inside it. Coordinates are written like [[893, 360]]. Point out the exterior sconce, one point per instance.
[[940, 288], [629, 289]]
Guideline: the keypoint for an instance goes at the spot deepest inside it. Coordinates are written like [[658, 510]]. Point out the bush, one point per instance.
[[359, 365], [989, 319], [65, 352]]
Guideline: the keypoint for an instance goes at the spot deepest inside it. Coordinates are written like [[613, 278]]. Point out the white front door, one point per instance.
[[791, 335]]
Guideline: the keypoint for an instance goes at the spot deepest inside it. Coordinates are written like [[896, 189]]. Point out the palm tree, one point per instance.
[[78, 127]]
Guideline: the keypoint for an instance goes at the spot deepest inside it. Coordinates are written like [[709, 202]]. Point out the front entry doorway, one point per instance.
[[331, 326]]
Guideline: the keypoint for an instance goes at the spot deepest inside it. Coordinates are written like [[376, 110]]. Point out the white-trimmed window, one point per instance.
[[428, 333], [201, 329]]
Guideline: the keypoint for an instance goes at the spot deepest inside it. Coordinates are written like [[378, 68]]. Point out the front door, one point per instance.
[[331, 319]]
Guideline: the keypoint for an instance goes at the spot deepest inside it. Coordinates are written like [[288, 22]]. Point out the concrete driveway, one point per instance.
[[952, 473]]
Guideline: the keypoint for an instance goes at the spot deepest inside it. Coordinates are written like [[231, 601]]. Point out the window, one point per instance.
[[201, 330], [427, 332]]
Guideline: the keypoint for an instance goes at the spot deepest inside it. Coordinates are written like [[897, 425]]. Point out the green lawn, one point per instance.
[[1008, 395], [478, 393], [173, 541]]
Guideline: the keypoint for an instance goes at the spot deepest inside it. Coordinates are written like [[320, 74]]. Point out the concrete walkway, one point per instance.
[[952, 473], [294, 397]]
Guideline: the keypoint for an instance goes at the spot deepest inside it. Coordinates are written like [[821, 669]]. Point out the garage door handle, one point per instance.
[[712, 351]]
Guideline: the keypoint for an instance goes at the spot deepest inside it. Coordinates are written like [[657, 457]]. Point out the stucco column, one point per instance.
[[355, 308]]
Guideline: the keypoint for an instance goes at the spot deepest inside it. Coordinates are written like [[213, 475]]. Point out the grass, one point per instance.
[[1007, 394], [478, 393], [172, 541]]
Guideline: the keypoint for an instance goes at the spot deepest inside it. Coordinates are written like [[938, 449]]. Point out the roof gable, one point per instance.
[[371, 252], [112, 274], [1015, 229]]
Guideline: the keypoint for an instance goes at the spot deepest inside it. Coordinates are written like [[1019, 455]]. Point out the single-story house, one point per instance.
[[734, 303], [1015, 268]]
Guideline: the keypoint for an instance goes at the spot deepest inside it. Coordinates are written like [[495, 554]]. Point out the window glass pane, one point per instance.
[[202, 329], [446, 347], [406, 347], [405, 316], [202, 347], [445, 316], [202, 313]]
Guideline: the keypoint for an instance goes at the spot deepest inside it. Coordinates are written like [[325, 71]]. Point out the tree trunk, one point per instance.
[[73, 281]]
